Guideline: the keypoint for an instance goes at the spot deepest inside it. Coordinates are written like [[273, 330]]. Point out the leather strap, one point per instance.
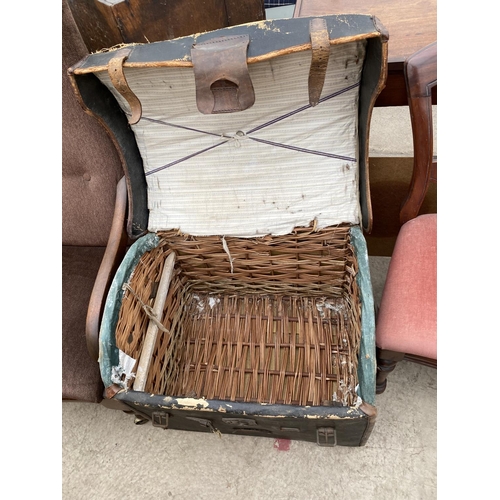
[[117, 76], [223, 84], [320, 44]]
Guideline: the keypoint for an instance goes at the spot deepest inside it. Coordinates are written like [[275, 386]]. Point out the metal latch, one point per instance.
[[160, 419], [326, 436], [205, 423], [240, 422]]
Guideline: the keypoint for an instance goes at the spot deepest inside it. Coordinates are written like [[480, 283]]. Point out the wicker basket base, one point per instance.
[[271, 349]]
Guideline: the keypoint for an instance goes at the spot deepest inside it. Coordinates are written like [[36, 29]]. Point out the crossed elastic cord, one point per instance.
[[239, 135]]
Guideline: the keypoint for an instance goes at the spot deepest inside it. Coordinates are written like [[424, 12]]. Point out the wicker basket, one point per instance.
[[270, 320]]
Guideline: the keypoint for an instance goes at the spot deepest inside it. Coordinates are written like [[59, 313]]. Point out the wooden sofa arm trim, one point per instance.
[[115, 251]]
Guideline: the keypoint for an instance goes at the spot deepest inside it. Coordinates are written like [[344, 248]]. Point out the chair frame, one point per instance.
[[421, 78]]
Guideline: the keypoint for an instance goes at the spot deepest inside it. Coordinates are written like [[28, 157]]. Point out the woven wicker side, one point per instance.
[[269, 320]]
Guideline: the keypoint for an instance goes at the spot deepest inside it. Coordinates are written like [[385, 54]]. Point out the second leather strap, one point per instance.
[[320, 45]]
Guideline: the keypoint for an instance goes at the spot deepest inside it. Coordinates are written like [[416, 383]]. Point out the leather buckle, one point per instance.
[[223, 84]]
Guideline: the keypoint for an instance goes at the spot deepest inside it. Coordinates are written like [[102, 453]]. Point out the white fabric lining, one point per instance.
[[245, 188]]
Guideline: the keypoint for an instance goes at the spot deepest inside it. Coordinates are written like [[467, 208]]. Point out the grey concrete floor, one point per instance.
[[106, 456]]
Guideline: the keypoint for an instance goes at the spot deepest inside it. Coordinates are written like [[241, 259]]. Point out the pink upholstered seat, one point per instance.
[[407, 320]]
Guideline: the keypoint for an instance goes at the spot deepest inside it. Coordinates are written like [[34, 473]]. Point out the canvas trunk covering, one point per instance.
[[264, 170]]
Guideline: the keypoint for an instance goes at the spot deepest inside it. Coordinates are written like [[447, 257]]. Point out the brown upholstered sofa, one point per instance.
[[94, 199], [91, 171]]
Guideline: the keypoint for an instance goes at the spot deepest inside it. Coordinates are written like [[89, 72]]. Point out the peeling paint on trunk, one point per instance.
[[192, 402]]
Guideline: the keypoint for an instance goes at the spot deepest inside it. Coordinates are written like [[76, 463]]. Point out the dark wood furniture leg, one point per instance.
[[386, 362]]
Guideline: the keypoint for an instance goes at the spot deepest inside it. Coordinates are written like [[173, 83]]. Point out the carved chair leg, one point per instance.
[[386, 362]]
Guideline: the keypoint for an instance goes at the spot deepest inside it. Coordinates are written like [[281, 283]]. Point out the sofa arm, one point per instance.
[[115, 251]]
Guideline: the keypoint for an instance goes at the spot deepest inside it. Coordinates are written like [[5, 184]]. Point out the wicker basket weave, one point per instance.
[[268, 320]]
